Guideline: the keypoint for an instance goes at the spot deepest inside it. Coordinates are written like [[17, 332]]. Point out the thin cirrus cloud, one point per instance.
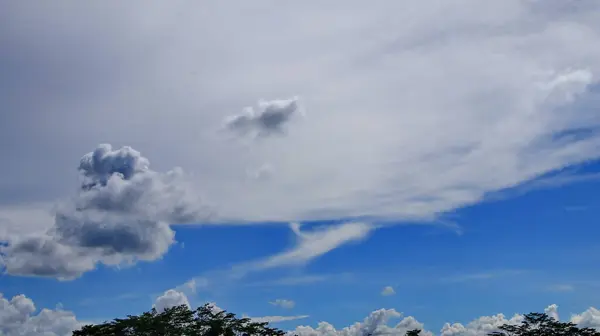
[[310, 245]]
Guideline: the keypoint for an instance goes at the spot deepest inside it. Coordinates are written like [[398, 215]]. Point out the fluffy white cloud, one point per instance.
[[374, 324], [588, 319], [283, 303], [17, 318], [387, 291], [479, 327], [377, 324], [409, 106], [169, 299], [120, 215]]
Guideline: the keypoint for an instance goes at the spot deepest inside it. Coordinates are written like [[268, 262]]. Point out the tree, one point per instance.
[[414, 332], [181, 321], [540, 324]]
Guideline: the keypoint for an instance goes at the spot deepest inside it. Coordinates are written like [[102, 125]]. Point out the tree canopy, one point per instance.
[[540, 324], [181, 321], [208, 321]]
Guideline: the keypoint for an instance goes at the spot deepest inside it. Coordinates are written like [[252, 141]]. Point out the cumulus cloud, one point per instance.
[[374, 324], [377, 324], [169, 299], [480, 326], [588, 319], [268, 119], [17, 318], [283, 303], [388, 291], [120, 215]]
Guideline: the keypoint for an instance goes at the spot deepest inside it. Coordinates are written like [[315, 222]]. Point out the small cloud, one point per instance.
[[269, 119], [171, 298], [388, 291], [481, 276], [287, 304]]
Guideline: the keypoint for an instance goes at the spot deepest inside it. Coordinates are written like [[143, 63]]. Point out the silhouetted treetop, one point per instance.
[[540, 324]]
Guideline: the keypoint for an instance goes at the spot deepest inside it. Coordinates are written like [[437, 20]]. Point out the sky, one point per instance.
[[334, 168]]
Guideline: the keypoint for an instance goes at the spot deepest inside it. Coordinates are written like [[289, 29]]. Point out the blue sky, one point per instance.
[[294, 162]]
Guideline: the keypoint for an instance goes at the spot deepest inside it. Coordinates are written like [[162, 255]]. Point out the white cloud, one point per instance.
[[17, 318], [377, 324], [276, 319], [311, 245], [120, 214], [552, 311], [588, 319], [283, 303], [374, 324], [169, 299], [388, 291], [411, 106]]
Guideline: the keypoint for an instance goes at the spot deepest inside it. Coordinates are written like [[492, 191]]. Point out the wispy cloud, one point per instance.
[[309, 245], [560, 288], [276, 319], [481, 276], [314, 244], [300, 280]]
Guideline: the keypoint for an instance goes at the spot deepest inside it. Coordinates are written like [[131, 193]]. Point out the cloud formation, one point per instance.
[[270, 118], [388, 291], [17, 318], [407, 119], [283, 303], [377, 324], [120, 215], [169, 299], [311, 245], [374, 324]]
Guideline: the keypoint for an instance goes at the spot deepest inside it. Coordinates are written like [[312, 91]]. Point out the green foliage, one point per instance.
[[539, 324], [414, 332], [181, 321]]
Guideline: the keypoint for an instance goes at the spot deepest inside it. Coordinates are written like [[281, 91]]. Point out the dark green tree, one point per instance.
[[540, 324], [181, 321], [414, 332]]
